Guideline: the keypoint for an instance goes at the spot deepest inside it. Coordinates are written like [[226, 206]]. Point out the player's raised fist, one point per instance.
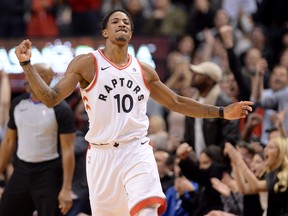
[[23, 51]]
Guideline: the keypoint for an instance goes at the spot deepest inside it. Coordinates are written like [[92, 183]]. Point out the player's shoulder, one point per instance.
[[149, 72], [145, 66], [80, 63], [83, 58]]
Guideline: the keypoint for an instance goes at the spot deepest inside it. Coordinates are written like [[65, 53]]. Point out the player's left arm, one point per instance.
[[68, 164], [187, 106]]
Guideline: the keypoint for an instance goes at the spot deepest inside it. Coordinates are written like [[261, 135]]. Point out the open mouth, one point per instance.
[[122, 30]]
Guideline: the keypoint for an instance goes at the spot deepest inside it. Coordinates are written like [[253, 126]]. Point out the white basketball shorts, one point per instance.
[[124, 179]]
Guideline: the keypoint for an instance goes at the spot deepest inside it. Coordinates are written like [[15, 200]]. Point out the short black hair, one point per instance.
[[105, 19], [215, 153]]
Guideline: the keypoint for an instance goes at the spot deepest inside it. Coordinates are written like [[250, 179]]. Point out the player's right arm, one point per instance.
[[7, 148], [187, 106], [74, 74]]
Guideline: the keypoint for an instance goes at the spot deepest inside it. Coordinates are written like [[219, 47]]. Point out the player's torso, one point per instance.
[[116, 99]]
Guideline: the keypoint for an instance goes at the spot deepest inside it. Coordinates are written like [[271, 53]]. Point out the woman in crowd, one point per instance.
[[276, 178]]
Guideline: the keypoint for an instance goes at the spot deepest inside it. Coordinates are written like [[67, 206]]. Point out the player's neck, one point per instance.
[[116, 54]]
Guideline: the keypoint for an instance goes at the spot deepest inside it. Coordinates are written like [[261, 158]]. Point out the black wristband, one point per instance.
[[221, 112], [25, 62]]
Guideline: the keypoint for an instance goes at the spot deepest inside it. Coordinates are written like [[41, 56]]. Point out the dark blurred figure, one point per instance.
[[86, 16], [42, 19], [273, 15], [167, 19], [137, 10], [164, 161], [200, 17], [12, 18]]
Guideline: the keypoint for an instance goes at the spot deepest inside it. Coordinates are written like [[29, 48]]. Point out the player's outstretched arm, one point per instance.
[[189, 107]]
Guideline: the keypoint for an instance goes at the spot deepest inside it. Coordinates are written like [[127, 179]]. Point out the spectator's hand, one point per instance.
[[232, 152], [209, 38], [220, 187], [225, 32], [202, 6], [253, 120], [65, 200], [23, 51], [230, 182], [184, 74], [261, 67], [274, 119], [183, 185], [187, 75], [183, 151], [237, 110], [278, 118]]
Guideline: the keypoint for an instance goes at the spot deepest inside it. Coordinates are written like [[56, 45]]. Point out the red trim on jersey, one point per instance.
[[150, 143], [88, 107], [114, 65], [85, 98], [143, 76], [147, 202], [95, 77]]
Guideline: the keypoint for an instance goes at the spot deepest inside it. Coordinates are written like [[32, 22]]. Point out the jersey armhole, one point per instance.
[[90, 86], [143, 76]]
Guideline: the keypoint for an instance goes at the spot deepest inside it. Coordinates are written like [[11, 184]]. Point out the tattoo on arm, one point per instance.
[[39, 86]]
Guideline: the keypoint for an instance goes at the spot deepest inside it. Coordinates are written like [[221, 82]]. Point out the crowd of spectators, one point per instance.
[[222, 51]]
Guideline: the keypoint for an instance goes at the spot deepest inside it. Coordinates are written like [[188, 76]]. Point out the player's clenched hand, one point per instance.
[[23, 50], [65, 201]]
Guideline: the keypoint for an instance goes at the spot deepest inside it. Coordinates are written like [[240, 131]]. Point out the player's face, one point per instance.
[[118, 28]]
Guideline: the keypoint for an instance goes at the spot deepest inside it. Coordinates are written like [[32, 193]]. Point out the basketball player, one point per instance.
[[121, 169]]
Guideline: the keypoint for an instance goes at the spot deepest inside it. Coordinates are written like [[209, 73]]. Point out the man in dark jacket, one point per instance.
[[200, 133]]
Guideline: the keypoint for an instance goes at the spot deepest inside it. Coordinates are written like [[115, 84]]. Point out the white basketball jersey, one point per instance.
[[116, 101]]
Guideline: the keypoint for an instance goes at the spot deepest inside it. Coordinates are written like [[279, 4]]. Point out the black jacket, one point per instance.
[[207, 197], [216, 130]]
